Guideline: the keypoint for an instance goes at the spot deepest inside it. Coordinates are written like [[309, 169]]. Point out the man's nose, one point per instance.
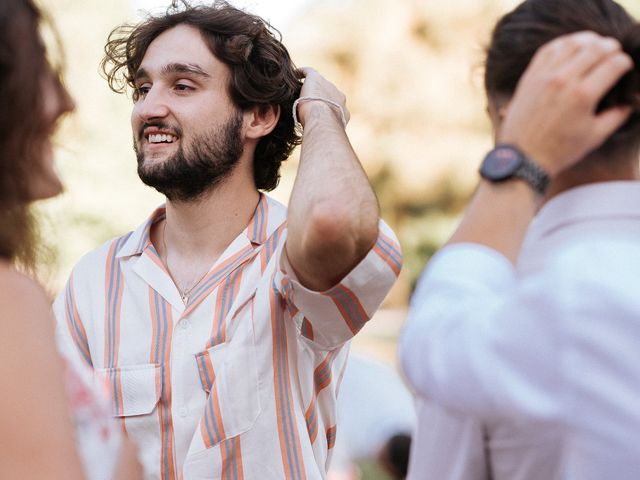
[[152, 105]]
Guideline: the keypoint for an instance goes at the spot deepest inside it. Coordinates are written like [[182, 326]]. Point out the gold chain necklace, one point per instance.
[[184, 294]]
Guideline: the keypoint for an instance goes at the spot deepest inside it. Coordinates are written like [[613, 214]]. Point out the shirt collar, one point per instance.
[[258, 228], [267, 217], [140, 239], [606, 200]]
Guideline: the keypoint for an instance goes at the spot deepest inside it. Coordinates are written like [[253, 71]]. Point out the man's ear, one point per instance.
[[497, 110], [261, 120], [502, 112]]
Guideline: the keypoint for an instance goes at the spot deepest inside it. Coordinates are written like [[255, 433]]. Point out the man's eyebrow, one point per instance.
[[173, 68], [140, 73], [190, 68]]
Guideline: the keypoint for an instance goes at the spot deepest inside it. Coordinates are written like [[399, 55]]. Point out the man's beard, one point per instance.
[[196, 168]]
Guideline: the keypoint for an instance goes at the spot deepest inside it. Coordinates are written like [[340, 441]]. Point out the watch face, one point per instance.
[[501, 163]]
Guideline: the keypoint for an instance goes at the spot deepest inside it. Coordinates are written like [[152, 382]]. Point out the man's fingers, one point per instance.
[[304, 72], [591, 52], [605, 75], [609, 121], [554, 64], [567, 60], [560, 51]]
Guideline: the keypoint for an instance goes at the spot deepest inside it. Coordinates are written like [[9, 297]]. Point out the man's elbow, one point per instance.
[[338, 231]]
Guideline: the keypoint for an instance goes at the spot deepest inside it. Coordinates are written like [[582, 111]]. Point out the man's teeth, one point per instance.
[[159, 138]]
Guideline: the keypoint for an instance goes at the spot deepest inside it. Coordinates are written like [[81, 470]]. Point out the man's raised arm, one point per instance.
[[333, 212]]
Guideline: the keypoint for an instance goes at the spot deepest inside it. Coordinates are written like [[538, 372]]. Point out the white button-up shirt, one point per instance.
[[553, 343], [240, 382]]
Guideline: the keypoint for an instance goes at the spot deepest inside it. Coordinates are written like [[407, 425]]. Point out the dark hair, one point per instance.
[[23, 126], [395, 455], [520, 33], [262, 72]]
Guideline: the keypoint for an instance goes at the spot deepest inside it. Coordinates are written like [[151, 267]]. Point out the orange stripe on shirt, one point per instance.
[[75, 326], [227, 294], [211, 425], [311, 419], [205, 370], [269, 247], [231, 459], [290, 450], [155, 258], [331, 437], [350, 307], [257, 227], [161, 316], [216, 276], [114, 287], [306, 329], [389, 251], [322, 373], [321, 379]]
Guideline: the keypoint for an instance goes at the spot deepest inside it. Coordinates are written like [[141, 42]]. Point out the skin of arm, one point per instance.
[[37, 437], [333, 212], [128, 468], [552, 119]]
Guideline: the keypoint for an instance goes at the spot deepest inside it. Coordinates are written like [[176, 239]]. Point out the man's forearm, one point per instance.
[[498, 217], [333, 212]]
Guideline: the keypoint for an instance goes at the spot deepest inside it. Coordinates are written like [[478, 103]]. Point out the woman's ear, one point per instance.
[[261, 120]]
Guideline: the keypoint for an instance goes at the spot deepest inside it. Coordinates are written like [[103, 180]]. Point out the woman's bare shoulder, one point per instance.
[[21, 296]]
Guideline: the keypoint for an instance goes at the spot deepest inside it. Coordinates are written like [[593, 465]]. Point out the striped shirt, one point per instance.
[[239, 383]]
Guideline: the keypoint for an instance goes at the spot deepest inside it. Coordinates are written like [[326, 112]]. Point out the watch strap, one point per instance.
[[533, 174]]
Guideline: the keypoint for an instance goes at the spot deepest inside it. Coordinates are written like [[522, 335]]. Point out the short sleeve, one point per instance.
[[71, 336], [332, 317]]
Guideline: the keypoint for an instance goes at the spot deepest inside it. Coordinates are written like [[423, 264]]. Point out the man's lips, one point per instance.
[[158, 134]]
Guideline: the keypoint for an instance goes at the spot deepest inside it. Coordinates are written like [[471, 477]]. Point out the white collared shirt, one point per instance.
[[240, 382], [554, 341]]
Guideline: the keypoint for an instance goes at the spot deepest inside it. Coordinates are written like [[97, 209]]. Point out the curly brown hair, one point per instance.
[[262, 72], [23, 125]]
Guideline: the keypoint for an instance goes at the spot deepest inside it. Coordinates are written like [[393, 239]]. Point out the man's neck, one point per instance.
[[211, 224], [595, 170], [196, 233]]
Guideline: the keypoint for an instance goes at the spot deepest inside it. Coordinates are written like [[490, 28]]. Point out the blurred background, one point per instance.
[[412, 73]]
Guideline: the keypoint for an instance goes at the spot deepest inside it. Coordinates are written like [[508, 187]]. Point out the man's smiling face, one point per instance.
[[187, 132]]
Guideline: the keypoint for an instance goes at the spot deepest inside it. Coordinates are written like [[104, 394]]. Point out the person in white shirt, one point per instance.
[[524, 329]]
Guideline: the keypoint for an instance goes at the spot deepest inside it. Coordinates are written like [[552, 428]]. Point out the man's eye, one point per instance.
[[143, 90], [181, 87]]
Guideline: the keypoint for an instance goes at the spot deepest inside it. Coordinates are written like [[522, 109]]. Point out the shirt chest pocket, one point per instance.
[[229, 376], [135, 389]]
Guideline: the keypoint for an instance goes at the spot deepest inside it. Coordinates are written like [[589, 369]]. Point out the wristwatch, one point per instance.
[[506, 161]]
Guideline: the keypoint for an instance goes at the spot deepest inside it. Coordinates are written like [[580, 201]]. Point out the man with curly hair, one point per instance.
[[222, 323]]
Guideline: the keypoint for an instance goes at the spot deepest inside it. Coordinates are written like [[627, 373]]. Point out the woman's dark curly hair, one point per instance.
[[262, 72], [24, 68]]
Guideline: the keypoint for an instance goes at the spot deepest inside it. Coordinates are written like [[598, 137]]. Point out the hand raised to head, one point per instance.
[[316, 88], [552, 116]]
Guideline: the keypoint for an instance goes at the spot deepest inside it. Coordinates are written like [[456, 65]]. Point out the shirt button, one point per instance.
[[183, 412], [184, 324]]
